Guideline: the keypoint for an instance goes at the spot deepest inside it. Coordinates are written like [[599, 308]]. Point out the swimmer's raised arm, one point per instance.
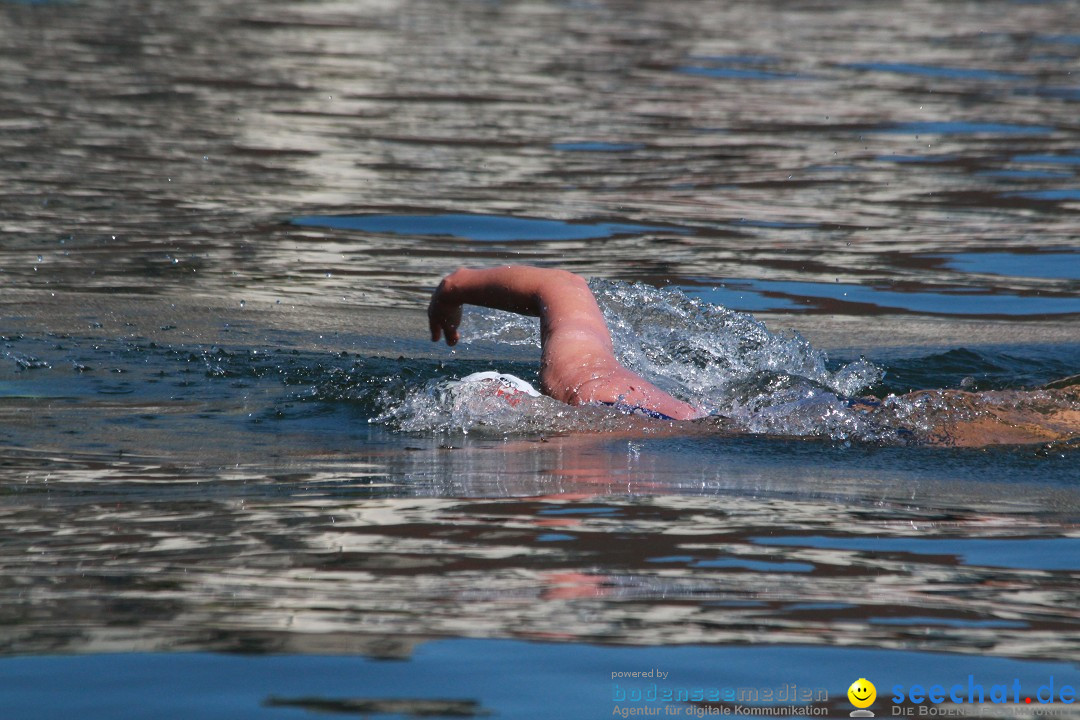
[[520, 289], [578, 364]]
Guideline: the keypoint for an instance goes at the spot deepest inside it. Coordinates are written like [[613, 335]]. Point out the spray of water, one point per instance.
[[728, 363], [725, 362], [449, 406]]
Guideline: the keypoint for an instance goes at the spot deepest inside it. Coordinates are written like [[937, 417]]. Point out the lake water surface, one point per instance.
[[235, 478]]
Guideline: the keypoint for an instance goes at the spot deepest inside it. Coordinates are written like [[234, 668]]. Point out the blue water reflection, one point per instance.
[[1064, 265], [532, 679], [1026, 554], [1058, 93], [740, 296], [481, 228], [749, 294], [958, 127], [1057, 39], [742, 563], [1025, 175], [1048, 159], [1064, 194]]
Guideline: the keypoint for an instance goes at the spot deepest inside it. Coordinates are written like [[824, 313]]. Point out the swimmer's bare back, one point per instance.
[[1004, 417], [577, 362]]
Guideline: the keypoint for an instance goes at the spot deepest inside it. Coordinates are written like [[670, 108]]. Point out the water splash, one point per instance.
[[733, 367], [709, 354], [449, 406], [726, 362]]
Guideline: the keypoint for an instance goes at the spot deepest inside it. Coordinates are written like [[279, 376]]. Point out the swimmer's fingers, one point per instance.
[[451, 330], [447, 324], [434, 323], [443, 318]]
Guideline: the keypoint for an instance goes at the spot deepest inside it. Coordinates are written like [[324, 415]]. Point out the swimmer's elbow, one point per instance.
[[547, 278], [565, 276], [555, 285]]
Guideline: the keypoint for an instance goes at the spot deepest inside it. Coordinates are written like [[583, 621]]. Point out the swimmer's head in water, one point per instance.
[[510, 388]]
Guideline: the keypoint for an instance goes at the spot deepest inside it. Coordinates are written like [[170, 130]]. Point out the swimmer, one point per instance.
[[578, 364]]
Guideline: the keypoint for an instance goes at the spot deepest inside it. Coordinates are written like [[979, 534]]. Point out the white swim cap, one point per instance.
[[511, 381]]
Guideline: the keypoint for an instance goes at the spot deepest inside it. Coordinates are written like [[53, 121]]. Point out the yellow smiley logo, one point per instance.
[[862, 693]]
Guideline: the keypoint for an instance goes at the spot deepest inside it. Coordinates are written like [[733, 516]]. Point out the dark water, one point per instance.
[[232, 480]]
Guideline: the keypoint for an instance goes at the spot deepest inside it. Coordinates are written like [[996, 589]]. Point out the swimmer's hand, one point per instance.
[[444, 314]]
